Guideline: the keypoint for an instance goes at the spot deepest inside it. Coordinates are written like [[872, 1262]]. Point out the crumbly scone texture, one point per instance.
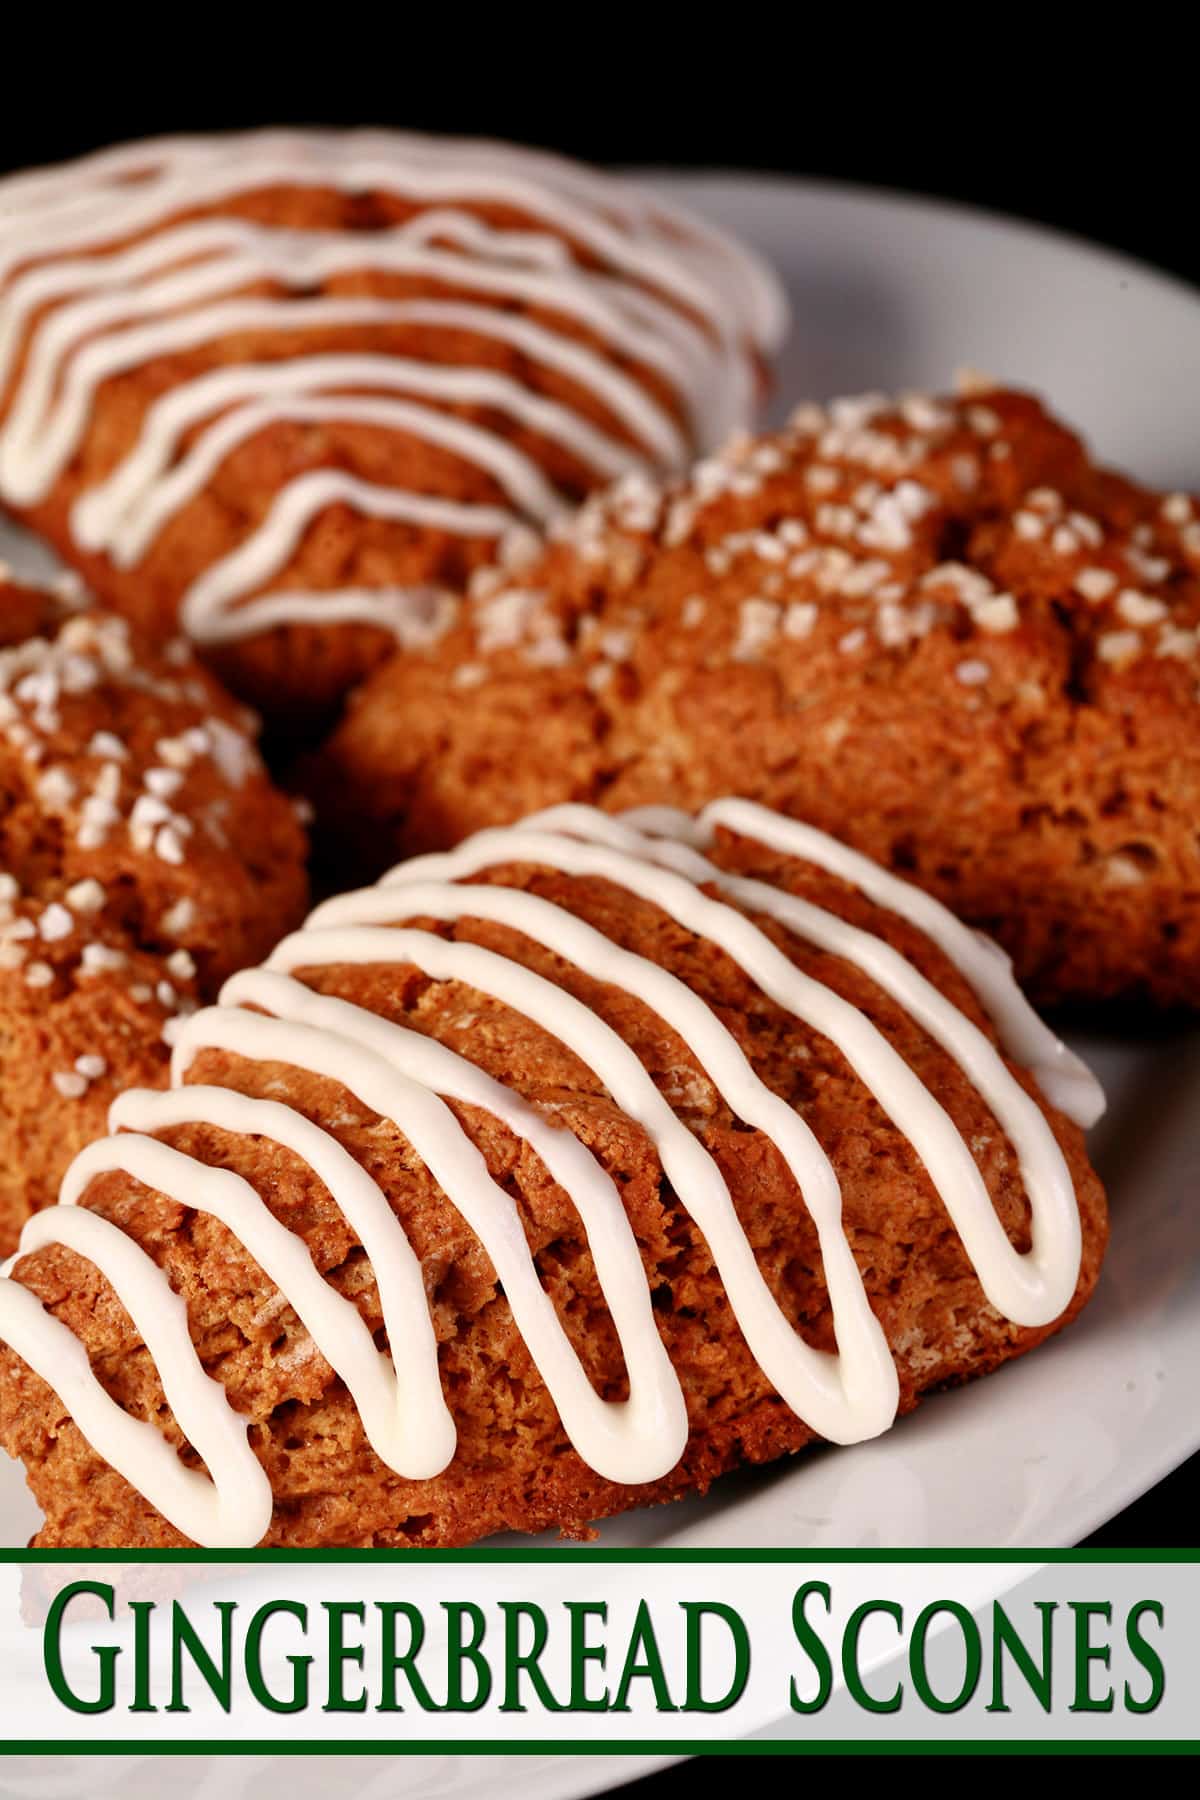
[[514, 1469], [933, 628], [296, 673], [145, 856]]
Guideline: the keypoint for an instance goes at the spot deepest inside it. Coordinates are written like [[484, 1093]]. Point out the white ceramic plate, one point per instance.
[[893, 293]]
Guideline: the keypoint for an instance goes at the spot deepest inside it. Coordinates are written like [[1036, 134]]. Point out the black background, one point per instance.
[[1100, 138], [1096, 133]]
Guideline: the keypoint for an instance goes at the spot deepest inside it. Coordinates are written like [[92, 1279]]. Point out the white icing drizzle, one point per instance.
[[1063, 1077], [125, 513], [398, 1396], [89, 296], [1030, 1288], [271, 1016], [401, 1074], [206, 612], [234, 1507], [851, 1397]]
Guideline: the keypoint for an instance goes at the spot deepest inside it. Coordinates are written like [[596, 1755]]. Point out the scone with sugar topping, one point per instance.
[[550, 1178], [935, 628], [144, 855]]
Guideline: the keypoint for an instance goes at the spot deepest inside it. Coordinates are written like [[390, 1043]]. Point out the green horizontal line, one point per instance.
[[583, 1554], [997, 1746]]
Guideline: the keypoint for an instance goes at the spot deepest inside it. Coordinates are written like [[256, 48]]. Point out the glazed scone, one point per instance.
[[285, 390], [144, 855], [548, 1179], [934, 628]]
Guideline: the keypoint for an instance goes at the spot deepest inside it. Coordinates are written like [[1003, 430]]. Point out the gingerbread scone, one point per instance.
[[285, 390], [144, 855], [932, 627], [546, 1179]]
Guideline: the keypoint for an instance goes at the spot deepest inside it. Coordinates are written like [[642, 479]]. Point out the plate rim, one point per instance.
[[905, 199]]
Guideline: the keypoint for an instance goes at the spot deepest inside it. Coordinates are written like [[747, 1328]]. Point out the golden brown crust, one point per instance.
[[108, 927], [935, 630], [514, 1468]]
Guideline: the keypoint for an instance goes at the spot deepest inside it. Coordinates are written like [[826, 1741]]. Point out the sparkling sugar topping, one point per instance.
[[832, 535], [109, 797]]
